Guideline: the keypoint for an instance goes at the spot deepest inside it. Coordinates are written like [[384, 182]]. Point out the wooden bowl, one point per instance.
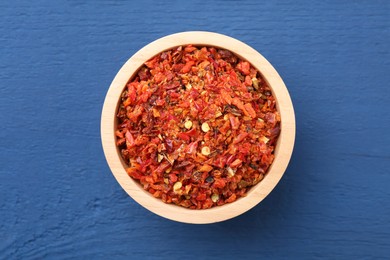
[[283, 148]]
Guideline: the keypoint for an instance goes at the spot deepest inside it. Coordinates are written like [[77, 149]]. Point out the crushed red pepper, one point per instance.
[[197, 126]]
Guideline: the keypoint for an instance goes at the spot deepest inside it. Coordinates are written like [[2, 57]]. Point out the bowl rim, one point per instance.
[[283, 150]]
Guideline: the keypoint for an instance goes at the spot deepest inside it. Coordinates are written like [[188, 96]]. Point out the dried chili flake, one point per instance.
[[197, 126]]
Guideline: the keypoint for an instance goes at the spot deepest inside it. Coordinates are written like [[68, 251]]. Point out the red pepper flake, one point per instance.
[[235, 122], [206, 168], [129, 140], [236, 163], [244, 67], [201, 197], [250, 110], [239, 138], [187, 67], [172, 178], [197, 126], [219, 184], [231, 198]]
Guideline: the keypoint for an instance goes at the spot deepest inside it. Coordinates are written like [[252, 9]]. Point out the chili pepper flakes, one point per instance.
[[197, 126]]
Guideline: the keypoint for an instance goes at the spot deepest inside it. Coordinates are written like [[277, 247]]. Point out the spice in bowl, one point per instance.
[[197, 126]]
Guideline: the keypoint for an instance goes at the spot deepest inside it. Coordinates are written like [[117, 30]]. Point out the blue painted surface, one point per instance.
[[58, 198]]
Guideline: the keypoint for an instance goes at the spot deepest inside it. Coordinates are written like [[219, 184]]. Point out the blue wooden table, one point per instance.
[[58, 198]]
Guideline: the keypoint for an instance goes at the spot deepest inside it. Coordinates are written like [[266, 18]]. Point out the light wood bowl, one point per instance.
[[283, 148]]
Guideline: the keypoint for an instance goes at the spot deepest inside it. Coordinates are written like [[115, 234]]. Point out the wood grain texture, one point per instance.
[[283, 149], [58, 198]]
